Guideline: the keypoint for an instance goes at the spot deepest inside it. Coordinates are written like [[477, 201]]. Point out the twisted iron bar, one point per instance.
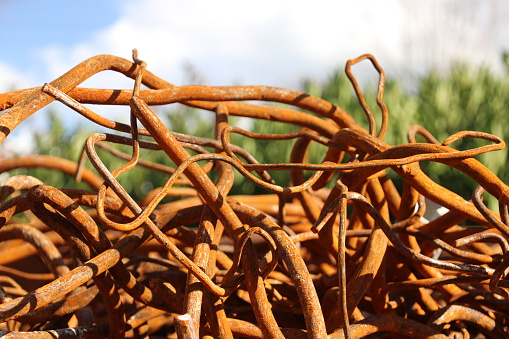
[[340, 262]]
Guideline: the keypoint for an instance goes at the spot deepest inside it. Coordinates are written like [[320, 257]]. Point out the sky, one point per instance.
[[227, 42]]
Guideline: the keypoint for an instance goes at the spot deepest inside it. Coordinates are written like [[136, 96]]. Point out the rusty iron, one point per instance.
[[302, 261]]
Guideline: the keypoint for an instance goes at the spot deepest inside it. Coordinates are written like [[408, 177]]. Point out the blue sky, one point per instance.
[[28, 26], [267, 42], [31, 28], [272, 42]]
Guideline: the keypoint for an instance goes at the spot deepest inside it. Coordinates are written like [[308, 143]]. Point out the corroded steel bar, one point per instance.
[[302, 261]]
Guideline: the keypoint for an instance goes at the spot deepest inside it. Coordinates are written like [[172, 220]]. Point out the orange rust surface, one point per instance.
[[302, 261]]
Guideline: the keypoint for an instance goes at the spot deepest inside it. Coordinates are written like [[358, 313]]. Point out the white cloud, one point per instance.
[[20, 142], [11, 79], [437, 33], [280, 42], [277, 43], [273, 43]]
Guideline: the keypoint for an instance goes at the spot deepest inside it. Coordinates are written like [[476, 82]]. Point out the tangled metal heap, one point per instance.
[[304, 261]]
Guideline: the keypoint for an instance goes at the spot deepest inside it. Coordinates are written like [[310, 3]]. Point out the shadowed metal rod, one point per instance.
[[318, 257]]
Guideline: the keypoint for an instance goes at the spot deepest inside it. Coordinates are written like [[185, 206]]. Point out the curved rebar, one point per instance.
[[209, 262]]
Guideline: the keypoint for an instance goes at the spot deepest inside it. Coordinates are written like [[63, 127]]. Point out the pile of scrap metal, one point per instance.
[[339, 254]]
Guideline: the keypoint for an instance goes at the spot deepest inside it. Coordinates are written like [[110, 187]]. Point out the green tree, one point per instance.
[[466, 98], [68, 143], [61, 142], [338, 90]]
